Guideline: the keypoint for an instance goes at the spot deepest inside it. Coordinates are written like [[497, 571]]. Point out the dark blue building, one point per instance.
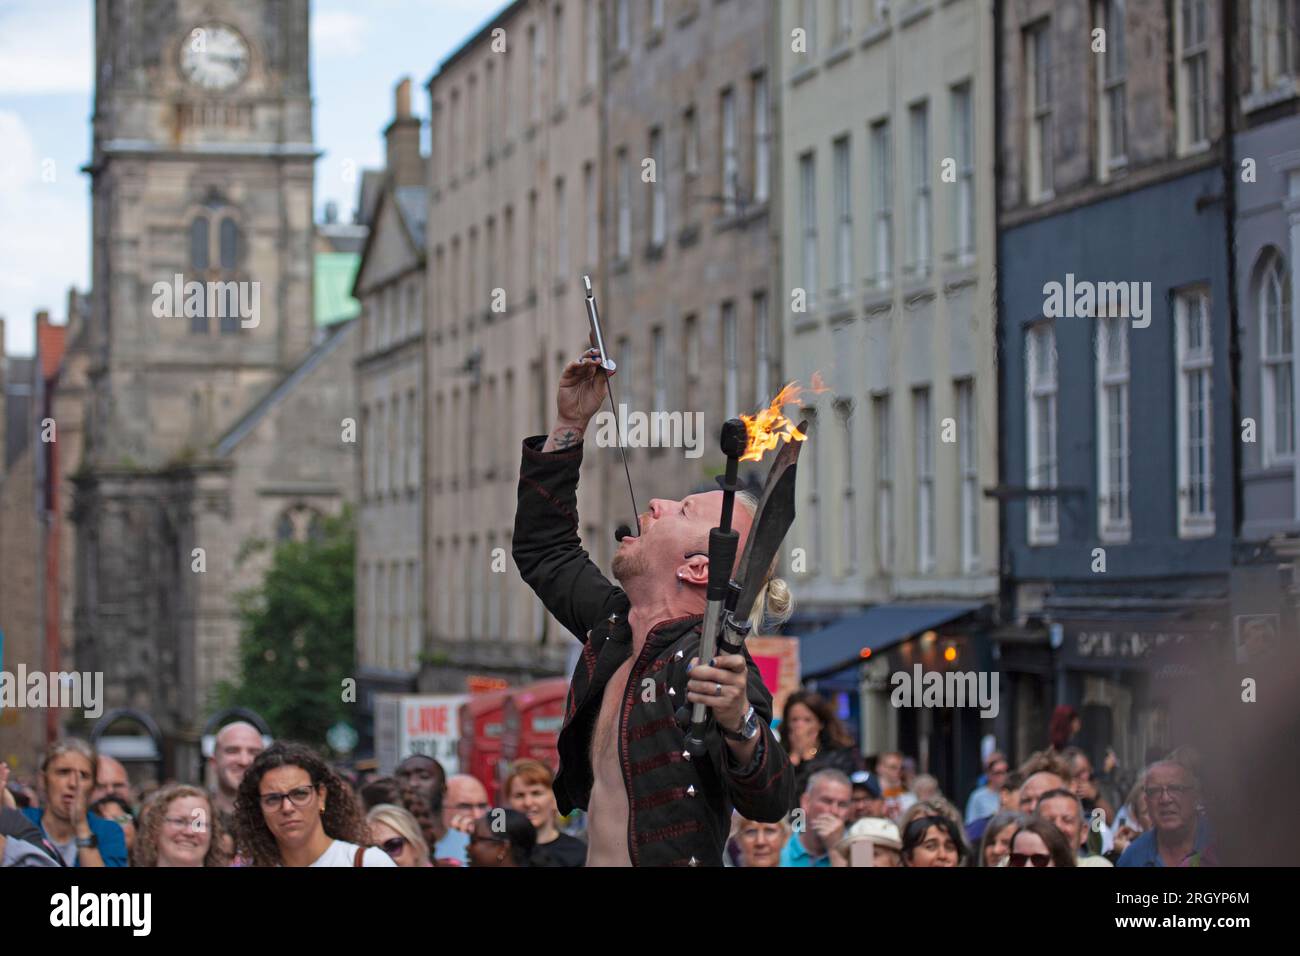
[[1115, 380]]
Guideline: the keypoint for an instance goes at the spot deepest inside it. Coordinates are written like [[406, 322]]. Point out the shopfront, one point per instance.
[[1135, 680]]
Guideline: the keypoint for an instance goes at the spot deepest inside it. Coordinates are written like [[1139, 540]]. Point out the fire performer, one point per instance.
[[624, 755]]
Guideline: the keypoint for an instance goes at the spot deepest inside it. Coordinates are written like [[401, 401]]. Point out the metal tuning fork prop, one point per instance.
[[607, 366]]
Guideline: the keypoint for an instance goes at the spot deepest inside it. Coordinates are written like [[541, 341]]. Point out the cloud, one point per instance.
[[45, 47], [482, 7], [18, 163], [48, 253], [337, 33]]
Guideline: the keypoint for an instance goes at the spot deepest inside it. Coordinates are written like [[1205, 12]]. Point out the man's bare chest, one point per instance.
[[604, 748]]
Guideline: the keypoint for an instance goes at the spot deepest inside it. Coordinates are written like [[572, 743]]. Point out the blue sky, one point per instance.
[[360, 49]]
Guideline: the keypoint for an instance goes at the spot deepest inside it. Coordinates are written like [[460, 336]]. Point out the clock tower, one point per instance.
[[201, 312], [201, 173]]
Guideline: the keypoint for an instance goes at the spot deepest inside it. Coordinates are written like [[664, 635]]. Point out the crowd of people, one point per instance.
[[284, 805], [1052, 810]]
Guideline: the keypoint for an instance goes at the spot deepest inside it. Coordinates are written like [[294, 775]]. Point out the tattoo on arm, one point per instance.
[[562, 439]]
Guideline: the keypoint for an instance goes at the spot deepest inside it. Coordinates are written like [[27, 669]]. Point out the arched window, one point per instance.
[[300, 522], [229, 243], [217, 231], [199, 244], [199, 261], [1277, 376], [229, 247]]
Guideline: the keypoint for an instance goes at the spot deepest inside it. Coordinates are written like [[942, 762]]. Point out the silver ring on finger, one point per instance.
[[717, 690]]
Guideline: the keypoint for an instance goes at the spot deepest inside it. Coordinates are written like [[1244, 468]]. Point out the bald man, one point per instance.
[[111, 780], [1037, 784], [465, 801], [623, 756], [237, 746]]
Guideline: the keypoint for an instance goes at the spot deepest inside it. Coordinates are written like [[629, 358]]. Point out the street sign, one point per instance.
[[777, 659], [342, 737], [408, 724]]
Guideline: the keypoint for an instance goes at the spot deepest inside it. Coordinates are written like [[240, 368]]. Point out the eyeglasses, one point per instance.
[[1024, 859], [479, 808], [298, 796], [394, 846], [1177, 791], [180, 823]]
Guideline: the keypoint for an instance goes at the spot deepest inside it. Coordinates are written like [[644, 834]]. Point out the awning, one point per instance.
[[840, 645]]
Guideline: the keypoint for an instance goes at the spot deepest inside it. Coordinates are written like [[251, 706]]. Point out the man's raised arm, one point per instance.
[[546, 546]]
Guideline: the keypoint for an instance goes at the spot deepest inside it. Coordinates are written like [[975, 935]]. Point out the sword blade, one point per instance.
[[772, 520]]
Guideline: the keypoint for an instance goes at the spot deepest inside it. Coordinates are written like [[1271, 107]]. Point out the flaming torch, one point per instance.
[[768, 427], [730, 602]]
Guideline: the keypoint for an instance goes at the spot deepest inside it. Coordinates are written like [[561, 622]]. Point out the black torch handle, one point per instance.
[[722, 555], [723, 542]]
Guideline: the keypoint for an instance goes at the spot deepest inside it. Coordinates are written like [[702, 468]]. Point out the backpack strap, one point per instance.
[[356, 860]]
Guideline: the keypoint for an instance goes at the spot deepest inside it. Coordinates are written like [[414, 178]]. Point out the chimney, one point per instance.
[[74, 315], [405, 164]]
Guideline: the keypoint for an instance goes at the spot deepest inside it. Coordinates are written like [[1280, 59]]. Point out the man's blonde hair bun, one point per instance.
[[773, 608]]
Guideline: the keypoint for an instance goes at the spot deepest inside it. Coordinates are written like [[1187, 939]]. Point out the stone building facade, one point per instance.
[[888, 283], [22, 732], [1266, 232], [691, 303], [513, 185], [390, 374]]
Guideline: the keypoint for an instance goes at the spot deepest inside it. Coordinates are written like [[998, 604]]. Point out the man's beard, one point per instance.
[[627, 566]]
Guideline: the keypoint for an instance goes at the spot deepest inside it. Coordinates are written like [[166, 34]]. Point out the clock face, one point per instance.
[[214, 57]]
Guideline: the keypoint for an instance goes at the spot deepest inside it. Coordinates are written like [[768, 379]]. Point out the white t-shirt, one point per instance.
[[341, 853]]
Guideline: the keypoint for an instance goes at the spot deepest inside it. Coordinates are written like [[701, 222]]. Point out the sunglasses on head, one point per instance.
[[1024, 859]]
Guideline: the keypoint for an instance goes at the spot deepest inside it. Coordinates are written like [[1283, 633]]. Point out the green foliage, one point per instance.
[[297, 636]]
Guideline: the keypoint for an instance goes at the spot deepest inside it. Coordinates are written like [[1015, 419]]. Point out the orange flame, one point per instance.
[[769, 427]]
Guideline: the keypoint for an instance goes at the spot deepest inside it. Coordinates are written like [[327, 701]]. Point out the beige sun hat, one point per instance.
[[878, 830]]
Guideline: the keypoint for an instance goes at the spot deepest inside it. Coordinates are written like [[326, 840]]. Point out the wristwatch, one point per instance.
[[87, 843], [748, 727]]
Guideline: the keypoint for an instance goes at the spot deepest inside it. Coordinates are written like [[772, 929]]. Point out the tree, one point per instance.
[[296, 641]]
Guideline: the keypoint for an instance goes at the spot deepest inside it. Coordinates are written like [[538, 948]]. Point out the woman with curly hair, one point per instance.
[[178, 828], [293, 810], [815, 739]]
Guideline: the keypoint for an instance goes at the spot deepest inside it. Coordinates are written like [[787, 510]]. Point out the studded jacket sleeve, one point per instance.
[[763, 790], [546, 546]]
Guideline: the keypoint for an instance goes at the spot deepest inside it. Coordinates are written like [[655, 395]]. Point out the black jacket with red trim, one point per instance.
[[679, 807]]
